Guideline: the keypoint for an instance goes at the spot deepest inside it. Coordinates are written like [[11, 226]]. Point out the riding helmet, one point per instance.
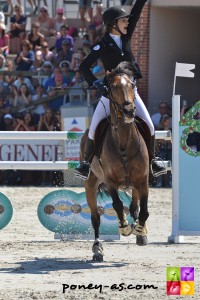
[[114, 13]]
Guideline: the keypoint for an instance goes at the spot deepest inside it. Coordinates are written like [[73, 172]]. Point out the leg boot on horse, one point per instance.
[[83, 169], [155, 168]]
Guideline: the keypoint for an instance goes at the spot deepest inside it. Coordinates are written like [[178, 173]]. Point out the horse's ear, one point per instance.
[[108, 74]]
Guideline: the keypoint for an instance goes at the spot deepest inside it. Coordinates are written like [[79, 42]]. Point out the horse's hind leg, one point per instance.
[[124, 227], [91, 186]]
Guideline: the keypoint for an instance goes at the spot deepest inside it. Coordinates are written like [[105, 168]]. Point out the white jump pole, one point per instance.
[[60, 135]]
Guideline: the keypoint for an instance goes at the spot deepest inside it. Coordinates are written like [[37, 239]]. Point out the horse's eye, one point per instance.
[[113, 86]]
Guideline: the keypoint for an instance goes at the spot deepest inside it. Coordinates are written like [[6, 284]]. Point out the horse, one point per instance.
[[123, 162]]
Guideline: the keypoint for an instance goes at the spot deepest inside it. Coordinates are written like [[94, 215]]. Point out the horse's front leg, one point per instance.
[[91, 186], [124, 228], [135, 206], [140, 228]]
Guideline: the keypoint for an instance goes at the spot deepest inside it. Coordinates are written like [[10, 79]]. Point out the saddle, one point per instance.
[[104, 125]]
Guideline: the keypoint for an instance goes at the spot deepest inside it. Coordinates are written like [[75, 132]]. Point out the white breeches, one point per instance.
[[103, 110]]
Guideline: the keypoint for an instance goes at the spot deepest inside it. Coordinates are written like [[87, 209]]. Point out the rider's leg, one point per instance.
[[102, 110], [142, 112]]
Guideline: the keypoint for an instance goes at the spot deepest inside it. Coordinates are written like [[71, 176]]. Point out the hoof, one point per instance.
[[141, 240], [98, 257]]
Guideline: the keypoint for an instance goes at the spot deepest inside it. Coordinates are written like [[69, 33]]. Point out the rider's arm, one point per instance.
[[135, 12], [87, 63]]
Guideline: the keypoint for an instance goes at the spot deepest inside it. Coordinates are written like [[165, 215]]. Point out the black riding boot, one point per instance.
[[156, 169], [83, 169]]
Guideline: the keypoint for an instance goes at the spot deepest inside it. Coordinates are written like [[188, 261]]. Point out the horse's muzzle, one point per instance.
[[128, 111]]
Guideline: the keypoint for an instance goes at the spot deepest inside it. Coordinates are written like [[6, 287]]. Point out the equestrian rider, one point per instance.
[[114, 48]]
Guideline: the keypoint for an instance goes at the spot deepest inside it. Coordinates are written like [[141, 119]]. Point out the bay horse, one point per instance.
[[123, 163]]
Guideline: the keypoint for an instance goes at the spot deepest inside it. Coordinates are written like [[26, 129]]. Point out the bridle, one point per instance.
[[122, 110]]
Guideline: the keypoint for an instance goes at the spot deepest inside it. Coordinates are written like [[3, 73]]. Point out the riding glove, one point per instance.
[[101, 87]]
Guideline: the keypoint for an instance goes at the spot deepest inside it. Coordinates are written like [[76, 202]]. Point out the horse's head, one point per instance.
[[121, 93]]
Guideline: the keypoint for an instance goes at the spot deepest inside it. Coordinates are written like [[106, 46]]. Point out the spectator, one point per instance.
[[63, 35], [163, 109], [97, 19], [47, 55], [9, 66], [2, 63], [25, 58], [58, 83], [85, 6], [35, 37], [77, 58], [65, 70], [59, 20], [48, 68], [8, 123], [40, 108], [24, 123], [4, 40], [94, 35], [65, 53], [18, 23], [46, 22], [79, 85], [51, 80], [20, 80], [4, 106], [86, 46], [23, 97], [2, 18]]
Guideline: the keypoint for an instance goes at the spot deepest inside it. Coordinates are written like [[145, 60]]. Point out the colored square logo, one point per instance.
[[173, 288], [180, 281], [173, 274], [187, 287], [187, 274]]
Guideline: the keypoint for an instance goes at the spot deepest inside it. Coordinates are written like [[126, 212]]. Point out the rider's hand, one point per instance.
[[101, 87]]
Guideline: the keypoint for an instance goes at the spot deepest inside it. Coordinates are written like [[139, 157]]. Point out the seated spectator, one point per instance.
[[78, 90], [35, 37], [94, 35], [22, 97], [4, 106], [65, 53], [46, 22], [47, 67], [8, 123], [9, 66], [25, 58], [46, 121], [38, 62], [40, 108], [24, 123], [63, 35], [47, 55], [163, 109], [65, 70], [86, 46], [77, 59], [4, 40], [52, 90], [51, 80], [20, 80], [4, 88], [18, 23], [59, 20]]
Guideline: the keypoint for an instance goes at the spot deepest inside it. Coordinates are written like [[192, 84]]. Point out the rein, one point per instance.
[[119, 113]]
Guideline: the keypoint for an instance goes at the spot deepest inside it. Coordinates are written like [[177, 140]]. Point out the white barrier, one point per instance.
[[54, 135]]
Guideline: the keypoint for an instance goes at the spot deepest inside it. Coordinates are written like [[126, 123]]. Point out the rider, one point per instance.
[[114, 48]]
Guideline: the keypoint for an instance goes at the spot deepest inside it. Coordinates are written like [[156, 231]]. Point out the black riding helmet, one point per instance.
[[112, 14]]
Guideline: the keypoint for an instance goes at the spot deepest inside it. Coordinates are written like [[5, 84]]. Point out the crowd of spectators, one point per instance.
[[53, 50]]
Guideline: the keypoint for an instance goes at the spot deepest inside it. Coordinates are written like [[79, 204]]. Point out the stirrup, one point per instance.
[[162, 171]]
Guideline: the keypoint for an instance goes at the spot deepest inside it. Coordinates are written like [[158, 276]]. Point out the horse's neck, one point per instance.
[[123, 134]]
